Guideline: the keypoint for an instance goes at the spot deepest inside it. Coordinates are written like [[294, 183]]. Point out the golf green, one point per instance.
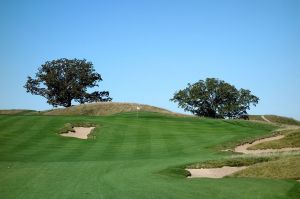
[[131, 157]]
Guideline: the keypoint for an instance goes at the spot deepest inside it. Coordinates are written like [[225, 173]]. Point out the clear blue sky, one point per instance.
[[146, 50]]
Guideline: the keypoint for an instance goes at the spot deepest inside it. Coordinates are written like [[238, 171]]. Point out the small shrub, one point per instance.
[[67, 127]]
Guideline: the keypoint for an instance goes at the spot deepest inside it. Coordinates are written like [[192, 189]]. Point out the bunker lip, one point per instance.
[[244, 147], [79, 132], [214, 172]]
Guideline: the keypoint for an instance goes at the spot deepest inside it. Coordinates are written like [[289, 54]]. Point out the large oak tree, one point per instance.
[[215, 98], [63, 80]]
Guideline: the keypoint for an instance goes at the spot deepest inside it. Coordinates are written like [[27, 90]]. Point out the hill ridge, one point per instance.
[[108, 108]]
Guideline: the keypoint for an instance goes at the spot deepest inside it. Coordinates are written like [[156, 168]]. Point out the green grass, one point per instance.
[[247, 139], [292, 139], [130, 158]]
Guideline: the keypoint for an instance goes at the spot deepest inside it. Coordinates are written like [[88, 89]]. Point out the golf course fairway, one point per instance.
[[129, 157]]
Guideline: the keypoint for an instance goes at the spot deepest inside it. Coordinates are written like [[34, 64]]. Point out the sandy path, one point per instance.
[[80, 132], [214, 172], [265, 119]]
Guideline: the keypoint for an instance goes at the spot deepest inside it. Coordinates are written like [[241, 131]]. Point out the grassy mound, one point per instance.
[[107, 108], [16, 112]]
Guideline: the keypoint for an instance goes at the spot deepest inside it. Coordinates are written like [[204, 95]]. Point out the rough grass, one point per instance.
[[283, 168], [131, 158], [108, 108], [232, 162], [66, 128], [256, 118], [275, 119], [282, 120], [16, 112], [291, 139], [177, 171]]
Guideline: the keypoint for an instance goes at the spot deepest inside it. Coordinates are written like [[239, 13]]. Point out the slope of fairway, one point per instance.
[[130, 158]]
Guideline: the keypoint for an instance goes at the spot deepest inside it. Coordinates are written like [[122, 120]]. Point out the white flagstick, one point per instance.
[[137, 111]]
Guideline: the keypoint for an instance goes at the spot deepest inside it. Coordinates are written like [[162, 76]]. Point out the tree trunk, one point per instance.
[[69, 103]]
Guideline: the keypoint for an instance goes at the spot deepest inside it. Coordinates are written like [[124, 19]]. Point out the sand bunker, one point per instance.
[[225, 171], [215, 172], [244, 148], [80, 132]]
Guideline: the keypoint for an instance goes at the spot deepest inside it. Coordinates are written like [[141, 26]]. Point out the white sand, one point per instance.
[[215, 172], [80, 132]]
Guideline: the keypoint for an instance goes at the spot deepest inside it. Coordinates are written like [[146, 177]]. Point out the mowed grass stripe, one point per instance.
[[189, 133], [112, 140], [14, 135], [27, 137], [181, 136], [76, 150], [158, 147], [66, 151], [174, 147], [14, 125], [142, 142], [7, 121]]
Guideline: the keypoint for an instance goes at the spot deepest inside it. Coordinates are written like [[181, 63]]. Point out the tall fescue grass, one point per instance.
[[291, 140]]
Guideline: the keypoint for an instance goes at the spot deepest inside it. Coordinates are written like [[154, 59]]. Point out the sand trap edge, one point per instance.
[[79, 132], [214, 172]]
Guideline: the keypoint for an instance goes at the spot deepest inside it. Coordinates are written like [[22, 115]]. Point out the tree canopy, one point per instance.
[[63, 80], [215, 98]]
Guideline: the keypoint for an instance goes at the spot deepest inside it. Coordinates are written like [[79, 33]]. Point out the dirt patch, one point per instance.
[[244, 148], [214, 172], [79, 132]]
